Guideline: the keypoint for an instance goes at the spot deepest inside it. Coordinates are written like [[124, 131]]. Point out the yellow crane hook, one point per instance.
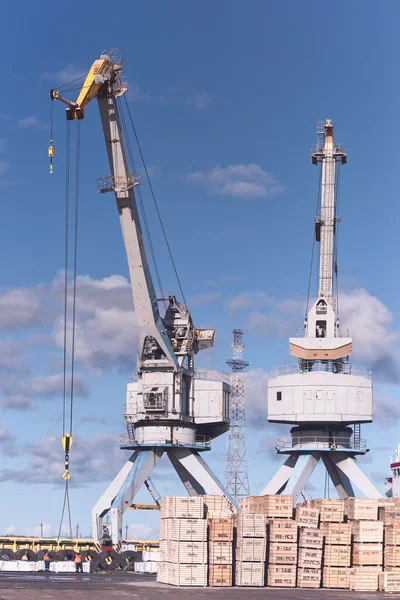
[[51, 154]]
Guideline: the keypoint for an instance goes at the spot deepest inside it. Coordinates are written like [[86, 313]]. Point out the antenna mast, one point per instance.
[[236, 474]]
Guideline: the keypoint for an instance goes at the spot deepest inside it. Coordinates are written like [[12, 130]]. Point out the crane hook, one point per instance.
[[51, 154]]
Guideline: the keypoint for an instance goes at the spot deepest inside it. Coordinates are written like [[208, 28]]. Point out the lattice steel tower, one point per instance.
[[236, 475]]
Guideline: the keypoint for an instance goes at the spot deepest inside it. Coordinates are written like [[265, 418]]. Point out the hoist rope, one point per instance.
[[155, 203], [66, 503], [66, 249], [141, 203]]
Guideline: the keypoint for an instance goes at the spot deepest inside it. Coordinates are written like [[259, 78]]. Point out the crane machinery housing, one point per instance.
[[323, 394], [170, 408]]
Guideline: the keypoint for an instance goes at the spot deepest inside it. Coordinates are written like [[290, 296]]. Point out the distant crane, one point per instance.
[[236, 473], [322, 395]]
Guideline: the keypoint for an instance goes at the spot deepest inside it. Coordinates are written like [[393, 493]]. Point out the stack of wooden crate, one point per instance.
[[251, 544], [367, 540], [282, 553], [337, 550], [392, 547], [220, 551], [218, 507], [183, 542], [310, 557]]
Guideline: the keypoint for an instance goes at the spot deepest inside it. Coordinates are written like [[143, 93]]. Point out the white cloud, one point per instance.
[[32, 121], [66, 75], [203, 299], [201, 100], [35, 531], [386, 410], [240, 181], [19, 307], [247, 300], [7, 442], [135, 94]]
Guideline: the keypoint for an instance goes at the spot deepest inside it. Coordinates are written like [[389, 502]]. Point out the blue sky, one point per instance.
[[225, 97]]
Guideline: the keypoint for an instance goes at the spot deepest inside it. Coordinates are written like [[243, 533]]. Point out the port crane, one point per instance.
[[170, 409], [323, 394]]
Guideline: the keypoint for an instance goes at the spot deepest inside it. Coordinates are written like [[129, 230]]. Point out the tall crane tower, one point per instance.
[[169, 409], [236, 474], [323, 394]]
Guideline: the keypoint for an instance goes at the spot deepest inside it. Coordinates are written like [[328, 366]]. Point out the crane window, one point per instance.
[[279, 395]]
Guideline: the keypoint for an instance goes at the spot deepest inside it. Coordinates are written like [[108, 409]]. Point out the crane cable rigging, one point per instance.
[[68, 395]]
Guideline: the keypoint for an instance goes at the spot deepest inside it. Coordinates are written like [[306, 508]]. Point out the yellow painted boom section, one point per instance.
[[90, 87]]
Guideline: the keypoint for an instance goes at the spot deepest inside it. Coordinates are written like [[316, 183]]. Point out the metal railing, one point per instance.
[[321, 442], [211, 375], [320, 367], [200, 441], [117, 183]]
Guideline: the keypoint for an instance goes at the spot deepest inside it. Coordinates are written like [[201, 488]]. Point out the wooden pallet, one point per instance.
[[392, 535], [282, 554], [338, 534], [249, 525], [250, 574], [251, 549], [364, 579], [220, 553], [217, 507], [361, 509], [282, 530], [389, 581], [278, 576], [310, 538], [368, 531], [308, 578], [272, 506], [220, 530], [335, 577], [220, 575], [186, 552], [183, 507], [309, 558], [367, 554], [307, 516], [391, 556], [186, 530], [187, 575], [336, 556], [331, 511]]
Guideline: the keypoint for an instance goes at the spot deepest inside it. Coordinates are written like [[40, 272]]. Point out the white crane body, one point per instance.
[[323, 394], [169, 409]]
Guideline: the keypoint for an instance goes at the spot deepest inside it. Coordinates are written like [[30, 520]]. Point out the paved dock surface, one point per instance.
[[38, 586]]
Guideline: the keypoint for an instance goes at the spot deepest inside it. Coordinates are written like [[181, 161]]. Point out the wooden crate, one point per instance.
[[330, 511], [282, 530], [337, 533], [368, 531], [364, 579], [187, 552], [250, 574], [308, 578], [220, 575], [335, 577], [220, 553], [187, 575], [187, 530], [282, 554], [389, 581], [251, 549], [220, 530], [251, 525], [162, 572], [217, 506], [278, 576], [361, 509], [309, 558], [182, 507], [336, 556], [310, 538], [389, 514], [391, 556], [367, 554], [307, 516], [392, 535], [272, 506]]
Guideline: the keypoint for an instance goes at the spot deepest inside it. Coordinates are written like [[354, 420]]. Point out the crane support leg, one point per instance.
[[301, 473], [281, 477], [199, 472], [350, 468], [341, 482], [191, 484], [121, 492]]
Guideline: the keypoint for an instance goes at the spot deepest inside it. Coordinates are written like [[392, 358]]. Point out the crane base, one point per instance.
[[191, 468]]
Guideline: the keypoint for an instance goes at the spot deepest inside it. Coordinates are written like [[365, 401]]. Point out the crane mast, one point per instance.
[[169, 408]]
